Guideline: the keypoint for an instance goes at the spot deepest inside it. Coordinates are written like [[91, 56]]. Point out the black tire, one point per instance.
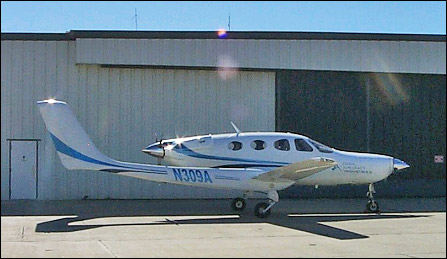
[[238, 204], [372, 206], [258, 210]]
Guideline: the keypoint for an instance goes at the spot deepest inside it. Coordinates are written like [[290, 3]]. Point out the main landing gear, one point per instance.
[[262, 209], [372, 205], [238, 204]]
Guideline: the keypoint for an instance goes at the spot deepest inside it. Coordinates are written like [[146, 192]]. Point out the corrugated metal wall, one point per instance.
[[122, 110], [336, 55]]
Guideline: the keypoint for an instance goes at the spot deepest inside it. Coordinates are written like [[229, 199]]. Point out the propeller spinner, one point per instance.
[[156, 150]]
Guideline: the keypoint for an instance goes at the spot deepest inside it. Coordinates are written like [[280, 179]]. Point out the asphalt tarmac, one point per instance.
[[209, 228]]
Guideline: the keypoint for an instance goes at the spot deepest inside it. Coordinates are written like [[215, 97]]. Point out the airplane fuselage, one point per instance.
[[271, 150]]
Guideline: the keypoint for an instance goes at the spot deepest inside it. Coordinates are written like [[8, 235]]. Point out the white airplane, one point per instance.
[[250, 162]]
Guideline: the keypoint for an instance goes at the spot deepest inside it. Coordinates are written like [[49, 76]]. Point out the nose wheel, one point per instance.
[[372, 205]]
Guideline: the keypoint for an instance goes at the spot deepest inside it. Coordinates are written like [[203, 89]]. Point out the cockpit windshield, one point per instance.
[[322, 148]]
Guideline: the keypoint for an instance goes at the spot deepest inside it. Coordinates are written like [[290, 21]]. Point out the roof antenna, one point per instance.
[[235, 128], [229, 21], [136, 19]]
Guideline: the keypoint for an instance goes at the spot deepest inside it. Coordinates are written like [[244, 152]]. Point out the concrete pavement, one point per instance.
[[208, 228]]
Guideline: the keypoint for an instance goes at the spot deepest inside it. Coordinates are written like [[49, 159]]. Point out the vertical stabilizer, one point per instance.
[[74, 146]]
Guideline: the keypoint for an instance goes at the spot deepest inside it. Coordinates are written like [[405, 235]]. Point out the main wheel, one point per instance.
[[259, 210], [238, 204], [372, 206]]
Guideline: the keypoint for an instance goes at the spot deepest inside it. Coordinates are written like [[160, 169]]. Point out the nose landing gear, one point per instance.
[[372, 205], [263, 209]]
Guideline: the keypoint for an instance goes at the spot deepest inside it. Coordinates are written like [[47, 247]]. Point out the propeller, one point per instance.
[[160, 145]]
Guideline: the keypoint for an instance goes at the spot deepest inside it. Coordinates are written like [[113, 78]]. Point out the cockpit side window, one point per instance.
[[258, 145], [235, 145], [282, 144], [322, 148], [301, 145]]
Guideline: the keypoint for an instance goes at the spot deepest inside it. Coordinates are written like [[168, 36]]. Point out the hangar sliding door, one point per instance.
[[401, 115]]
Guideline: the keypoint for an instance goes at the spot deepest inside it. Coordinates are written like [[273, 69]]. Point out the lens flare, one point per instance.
[[389, 84], [391, 88], [227, 68], [221, 33]]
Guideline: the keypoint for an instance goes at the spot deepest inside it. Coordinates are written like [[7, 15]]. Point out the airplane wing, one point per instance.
[[297, 171]]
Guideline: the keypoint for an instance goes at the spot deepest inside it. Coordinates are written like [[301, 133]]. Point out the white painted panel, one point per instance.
[[27, 90], [355, 49], [439, 58], [368, 56], [339, 55], [344, 56], [107, 49], [413, 56], [149, 51], [296, 53], [16, 89], [6, 108], [325, 54], [391, 60], [205, 53]]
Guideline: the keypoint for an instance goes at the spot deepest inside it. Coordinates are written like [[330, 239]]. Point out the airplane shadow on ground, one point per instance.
[[308, 223]]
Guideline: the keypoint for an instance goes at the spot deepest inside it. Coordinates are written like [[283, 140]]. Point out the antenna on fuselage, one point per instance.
[[235, 128]]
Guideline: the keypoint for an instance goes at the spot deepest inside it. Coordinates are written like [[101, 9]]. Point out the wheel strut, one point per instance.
[[262, 209], [372, 205]]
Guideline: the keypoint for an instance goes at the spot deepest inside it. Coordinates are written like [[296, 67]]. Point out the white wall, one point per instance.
[[122, 110]]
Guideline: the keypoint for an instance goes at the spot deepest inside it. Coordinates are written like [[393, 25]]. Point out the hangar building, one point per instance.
[[381, 93]]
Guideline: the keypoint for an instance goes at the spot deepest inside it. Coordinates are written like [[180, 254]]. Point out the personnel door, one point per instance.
[[23, 168]]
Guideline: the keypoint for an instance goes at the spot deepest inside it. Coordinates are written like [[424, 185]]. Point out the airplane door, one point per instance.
[[23, 168]]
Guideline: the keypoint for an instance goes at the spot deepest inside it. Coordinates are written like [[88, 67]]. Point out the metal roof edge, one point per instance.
[[256, 35]]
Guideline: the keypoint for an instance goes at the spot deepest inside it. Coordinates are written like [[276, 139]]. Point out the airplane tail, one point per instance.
[[74, 147]]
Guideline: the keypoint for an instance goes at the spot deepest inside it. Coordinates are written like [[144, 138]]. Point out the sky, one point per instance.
[[413, 17]]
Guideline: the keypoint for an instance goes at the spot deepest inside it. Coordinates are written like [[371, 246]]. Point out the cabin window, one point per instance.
[[167, 143], [301, 145], [235, 145], [282, 144], [258, 145], [322, 148]]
